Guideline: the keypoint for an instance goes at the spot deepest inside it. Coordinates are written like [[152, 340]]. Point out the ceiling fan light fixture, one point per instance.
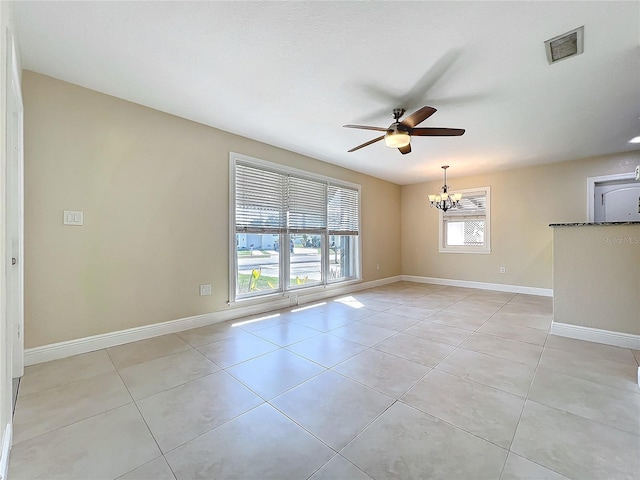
[[395, 138]]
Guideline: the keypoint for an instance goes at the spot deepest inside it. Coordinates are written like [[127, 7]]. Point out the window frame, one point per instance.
[[285, 289], [480, 249]]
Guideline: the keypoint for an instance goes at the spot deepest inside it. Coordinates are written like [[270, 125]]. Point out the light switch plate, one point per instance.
[[73, 217]]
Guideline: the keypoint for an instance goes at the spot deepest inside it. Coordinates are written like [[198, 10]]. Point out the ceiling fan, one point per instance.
[[398, 134]]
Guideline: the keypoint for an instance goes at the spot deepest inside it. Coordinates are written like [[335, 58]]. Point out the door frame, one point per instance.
[[14, 274], [591, 188]]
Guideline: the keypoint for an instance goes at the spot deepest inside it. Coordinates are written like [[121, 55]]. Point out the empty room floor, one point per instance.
[[402, 381]]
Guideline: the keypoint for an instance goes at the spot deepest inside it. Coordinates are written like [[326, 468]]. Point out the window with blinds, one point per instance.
[[288, 222], [465, 229], [268, 201]]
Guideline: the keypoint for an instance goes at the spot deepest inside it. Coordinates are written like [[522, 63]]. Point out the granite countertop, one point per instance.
[[588, 224]]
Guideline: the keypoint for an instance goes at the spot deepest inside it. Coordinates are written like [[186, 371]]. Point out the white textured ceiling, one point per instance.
[[291, 74]]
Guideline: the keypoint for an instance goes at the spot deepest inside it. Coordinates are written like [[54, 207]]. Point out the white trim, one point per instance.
[[608, 337], [7, 438], [500, 287], [591, 188], [69, 348]]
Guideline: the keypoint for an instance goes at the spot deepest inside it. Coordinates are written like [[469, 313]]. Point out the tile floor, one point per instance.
[[402, 381]]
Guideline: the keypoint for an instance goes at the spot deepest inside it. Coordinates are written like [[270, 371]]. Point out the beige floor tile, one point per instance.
[[454, 293], [102, 447], [138, 352], [505, 375], [182, 413], [45, 411], [377, 304], [367, 335], [612, 406], [154, 376], [197, 337], [574, 446], [261, 444], [386, 373], [157, 469], [492, 296], [355, 313], [286, 333], [599, 350], [518, 468], [540, 322], [594, 369], [273, 373], [324, 321], [47, 375], [405, 443], [390, 321], [505, 329], [431, 302], [540, 303], [475, 308], [338, 468], [513, 350], [258, 322], [456, 320], [416, 349], [484, 411], [411, 312], [319, 406], [439, 332], [236, 349], [327, 350]]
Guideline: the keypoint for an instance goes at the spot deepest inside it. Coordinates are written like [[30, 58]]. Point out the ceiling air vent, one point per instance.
[[565, 46]]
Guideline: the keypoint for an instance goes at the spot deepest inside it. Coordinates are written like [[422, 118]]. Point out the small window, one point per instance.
[[467, 229]]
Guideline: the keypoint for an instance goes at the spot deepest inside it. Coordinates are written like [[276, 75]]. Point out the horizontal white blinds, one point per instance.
[[473, 205], [260, 206], [271, 201], [307, 205], [342, 210]]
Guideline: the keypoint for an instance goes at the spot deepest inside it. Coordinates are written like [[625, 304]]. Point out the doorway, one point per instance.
[[613, 198]]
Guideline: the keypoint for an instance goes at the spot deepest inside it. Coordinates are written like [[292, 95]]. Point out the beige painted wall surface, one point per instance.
[[596, 277], [155, 196], [524, 202]]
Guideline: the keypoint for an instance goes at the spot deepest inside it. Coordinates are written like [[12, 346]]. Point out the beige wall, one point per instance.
[[596, 277], [524, 202], [154, 192]]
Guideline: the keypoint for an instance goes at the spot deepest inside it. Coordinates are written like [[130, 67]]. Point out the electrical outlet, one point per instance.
[[503, 270], [205, 289], [638, 172], [377, 266]]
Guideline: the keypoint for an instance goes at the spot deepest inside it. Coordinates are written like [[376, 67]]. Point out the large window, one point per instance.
[[291, 229], [467, 229]]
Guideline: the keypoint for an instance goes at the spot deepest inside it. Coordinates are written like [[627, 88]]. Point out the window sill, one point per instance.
[[483, 251]]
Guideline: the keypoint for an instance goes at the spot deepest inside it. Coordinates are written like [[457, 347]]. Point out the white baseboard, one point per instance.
[[499, 287], [77, 346], [7, 438], [618, 339]]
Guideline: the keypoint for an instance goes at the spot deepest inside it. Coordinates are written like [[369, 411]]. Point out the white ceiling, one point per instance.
[[291, 74]]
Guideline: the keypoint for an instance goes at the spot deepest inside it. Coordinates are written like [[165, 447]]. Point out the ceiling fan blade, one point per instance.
[[418, 116], [437, 132], [367, 144], [405, 150], [365, 127]]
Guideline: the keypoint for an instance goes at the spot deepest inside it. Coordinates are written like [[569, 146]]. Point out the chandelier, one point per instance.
[[445, 200]]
